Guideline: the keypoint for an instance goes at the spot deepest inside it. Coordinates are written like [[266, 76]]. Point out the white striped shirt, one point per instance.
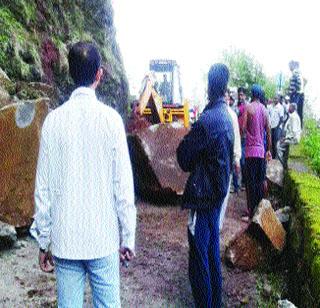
[[84, 192]]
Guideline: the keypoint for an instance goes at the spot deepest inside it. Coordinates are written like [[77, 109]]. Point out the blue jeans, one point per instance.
[[104, 280], [204, 260]]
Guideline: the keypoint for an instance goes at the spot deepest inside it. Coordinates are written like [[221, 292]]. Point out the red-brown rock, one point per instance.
[[20, 126], [266, 218], [153, 154], [245, 252]]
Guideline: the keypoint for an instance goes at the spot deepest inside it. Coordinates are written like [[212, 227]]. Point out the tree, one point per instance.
[[245, 71]]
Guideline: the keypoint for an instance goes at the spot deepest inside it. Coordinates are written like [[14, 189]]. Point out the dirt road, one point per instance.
[[158, 277]]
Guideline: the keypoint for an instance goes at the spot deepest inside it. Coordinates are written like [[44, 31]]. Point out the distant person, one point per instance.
[[296, 88], [292, 135], [236, 158], [242, 105], [84, 197], [256, 124], [207, 152], [276, 120], [165, 90]]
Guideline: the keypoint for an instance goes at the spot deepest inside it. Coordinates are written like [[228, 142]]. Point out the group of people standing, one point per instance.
[[230, 138], [84, 196]]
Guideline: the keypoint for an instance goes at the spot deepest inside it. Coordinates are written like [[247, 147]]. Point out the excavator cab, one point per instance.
[[161, 94]]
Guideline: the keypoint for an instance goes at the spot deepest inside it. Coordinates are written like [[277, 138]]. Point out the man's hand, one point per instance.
[[126, 255], [268, 156], [46, 262]]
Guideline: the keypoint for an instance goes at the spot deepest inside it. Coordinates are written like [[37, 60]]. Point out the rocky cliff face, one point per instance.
[[35, 36]]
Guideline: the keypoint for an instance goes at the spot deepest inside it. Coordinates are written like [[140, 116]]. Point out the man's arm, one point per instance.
[[124, 190], [237, 143], [41, 227], [191, 146], [268, 132]]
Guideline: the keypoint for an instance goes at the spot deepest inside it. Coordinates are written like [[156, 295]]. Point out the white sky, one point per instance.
[[195, 32]]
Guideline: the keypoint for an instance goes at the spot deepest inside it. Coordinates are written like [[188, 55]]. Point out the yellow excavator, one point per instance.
[[161, 94]]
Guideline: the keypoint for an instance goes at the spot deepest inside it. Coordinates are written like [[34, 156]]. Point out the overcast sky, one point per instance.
[[195, 32]]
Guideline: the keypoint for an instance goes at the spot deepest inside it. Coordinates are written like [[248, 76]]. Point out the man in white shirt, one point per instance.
[[276, 113], [236, 155], [292, 132], [84, 194]]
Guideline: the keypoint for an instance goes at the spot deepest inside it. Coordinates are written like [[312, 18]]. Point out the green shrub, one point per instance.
[[305, 194], [311, 144]]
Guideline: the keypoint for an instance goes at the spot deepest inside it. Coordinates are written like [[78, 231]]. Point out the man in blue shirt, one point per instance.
[[207, 153]]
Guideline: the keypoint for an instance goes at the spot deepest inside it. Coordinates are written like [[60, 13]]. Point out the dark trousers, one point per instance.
[[275, 137], [298, 98], [204, 260], [283, 153], [255, 177], [242, 161], [235, 180]]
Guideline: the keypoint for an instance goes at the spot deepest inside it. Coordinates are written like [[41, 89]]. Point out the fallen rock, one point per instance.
[[244, 252], [285, 304], [8, 235], [267, 290], [283, 214], [20, 126], [153, 155], [266, 218], [275, 172]]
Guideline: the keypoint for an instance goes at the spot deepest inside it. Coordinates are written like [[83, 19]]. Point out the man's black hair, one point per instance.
[[84, 63], [241, 90], [257, 92], [218, 78]]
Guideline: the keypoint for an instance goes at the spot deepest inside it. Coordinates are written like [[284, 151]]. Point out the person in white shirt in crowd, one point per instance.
[[292, 135], [236, 156], [276, 113], [84, 197]]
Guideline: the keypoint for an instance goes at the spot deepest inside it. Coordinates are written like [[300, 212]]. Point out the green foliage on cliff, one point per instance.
[[303, 191], [311, 144], [35, 37]]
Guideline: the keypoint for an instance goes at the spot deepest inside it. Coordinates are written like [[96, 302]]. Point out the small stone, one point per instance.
[[267, 290], [8, 235], [285, 304], [245, 300], [283, 214]]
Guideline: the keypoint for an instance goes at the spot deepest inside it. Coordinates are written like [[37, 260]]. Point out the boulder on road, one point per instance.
[[266, 219], [156, 171], [20, 126]]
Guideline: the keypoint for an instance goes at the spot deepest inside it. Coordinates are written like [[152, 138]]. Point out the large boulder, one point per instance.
[[8, 235], [20, 126], [266, 219], [244, 252], [153, 155], [275, 173], [263, 239]]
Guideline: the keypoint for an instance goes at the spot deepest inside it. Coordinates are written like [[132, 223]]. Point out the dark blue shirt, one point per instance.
[[207, 152]]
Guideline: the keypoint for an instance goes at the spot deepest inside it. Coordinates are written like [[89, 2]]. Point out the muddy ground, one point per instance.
[[158, 277]]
